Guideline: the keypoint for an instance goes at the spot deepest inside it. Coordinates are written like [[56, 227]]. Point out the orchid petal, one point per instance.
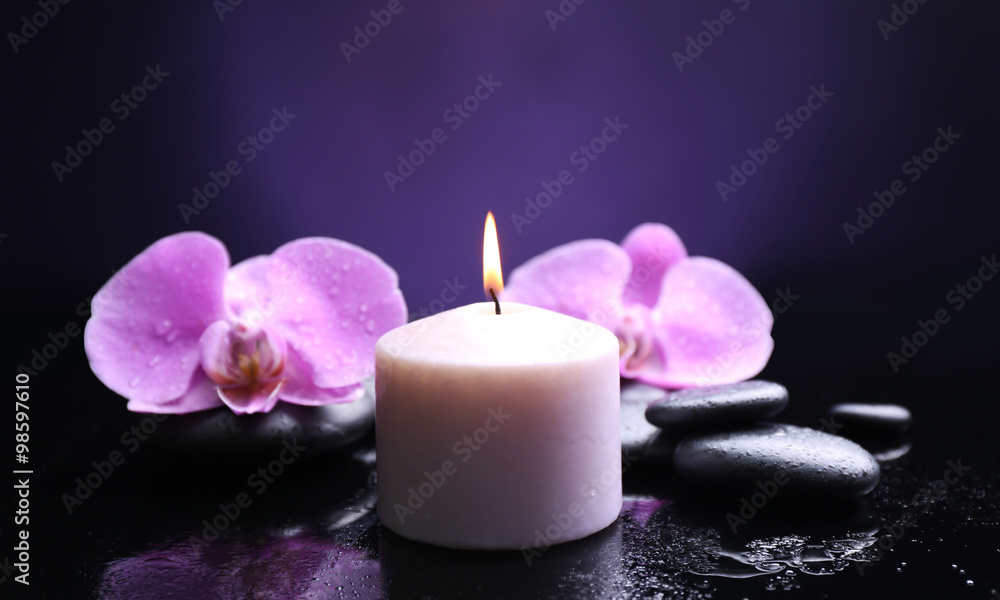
[[142, 338], [300, 389], [711, 324], [332, 300], [246, 288], [583, 279], [653, 248], [200, 395]]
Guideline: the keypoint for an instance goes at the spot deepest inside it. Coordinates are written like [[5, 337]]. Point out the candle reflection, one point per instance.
[[590, 568], [298, 566]]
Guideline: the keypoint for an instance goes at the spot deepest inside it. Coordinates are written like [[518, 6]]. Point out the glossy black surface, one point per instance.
[[312, 531]]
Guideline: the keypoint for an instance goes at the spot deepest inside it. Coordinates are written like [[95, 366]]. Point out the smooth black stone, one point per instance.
[[638, 433], [718, 405], [813, 462], [887, 450], [871, 418], [221, 436]]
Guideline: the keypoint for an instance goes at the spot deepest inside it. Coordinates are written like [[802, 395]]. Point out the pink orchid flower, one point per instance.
[[681, 321], [177, 330]]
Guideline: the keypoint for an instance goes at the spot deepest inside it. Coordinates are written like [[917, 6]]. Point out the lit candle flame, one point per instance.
[[492, 276]]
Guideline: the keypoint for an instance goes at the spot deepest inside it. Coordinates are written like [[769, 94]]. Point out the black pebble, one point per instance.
[[870, 418], [718, 405], [637, 433], [221, 436], [808, 462]]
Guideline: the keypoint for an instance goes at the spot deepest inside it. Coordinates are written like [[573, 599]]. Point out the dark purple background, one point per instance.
[[323, 175]]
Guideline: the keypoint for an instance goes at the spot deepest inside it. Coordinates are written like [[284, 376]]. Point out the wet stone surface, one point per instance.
[[714, 406], [638, 433], [871, 419], [221, 436], [801, 461]]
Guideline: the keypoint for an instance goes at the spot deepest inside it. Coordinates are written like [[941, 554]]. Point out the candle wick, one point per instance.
[[495, 300]]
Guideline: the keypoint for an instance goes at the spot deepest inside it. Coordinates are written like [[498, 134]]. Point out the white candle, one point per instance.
[[497, 431]]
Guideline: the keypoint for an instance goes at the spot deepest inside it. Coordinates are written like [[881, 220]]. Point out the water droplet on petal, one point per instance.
[[172, 335], [135, 381], [344, 323], [370, 326], [334, 290], [363, 308], [153, 361]]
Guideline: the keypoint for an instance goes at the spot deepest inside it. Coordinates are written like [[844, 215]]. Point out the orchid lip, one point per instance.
[[247, 357]]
